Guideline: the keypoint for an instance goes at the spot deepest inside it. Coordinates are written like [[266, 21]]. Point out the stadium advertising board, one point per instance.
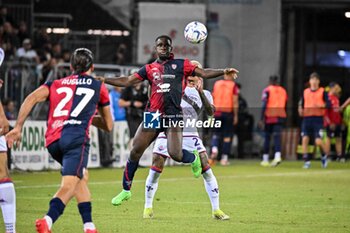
[[32, 154]]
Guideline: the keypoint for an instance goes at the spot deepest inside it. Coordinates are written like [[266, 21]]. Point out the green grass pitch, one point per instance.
[[283, 199]]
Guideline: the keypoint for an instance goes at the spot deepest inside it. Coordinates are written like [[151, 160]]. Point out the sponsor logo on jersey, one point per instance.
[[168, 76], [59, 123], [163, 87], [72, 122]]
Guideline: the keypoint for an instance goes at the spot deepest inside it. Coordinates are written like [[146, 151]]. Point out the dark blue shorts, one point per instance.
[[335, 133], [275, 128], [72, 153], [312, 127]]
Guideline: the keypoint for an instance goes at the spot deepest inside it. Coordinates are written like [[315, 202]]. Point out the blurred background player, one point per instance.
[[243, 130], [345, 108], [333, 120], [118, 112], [311, 108], [10, 109], [165, 102], [273, 116], [106, 138], [134, 99], [73, 104], [194, 101], [225, 94], [7, 189]]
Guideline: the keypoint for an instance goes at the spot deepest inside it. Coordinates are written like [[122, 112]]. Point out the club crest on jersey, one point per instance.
[[173, 66]]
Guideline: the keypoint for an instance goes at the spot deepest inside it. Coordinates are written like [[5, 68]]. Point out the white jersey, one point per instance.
[[192, 110]]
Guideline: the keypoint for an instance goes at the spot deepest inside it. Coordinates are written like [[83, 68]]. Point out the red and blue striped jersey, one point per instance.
[[168, 81], [73, 103]]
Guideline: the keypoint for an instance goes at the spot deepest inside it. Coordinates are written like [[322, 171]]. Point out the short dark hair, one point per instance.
[[273, 79], [314, 75], [81, 60], [332, 84], [166, 37]]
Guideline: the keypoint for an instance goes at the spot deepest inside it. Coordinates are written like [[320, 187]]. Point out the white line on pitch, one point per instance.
[[319, 206], [285, 174]]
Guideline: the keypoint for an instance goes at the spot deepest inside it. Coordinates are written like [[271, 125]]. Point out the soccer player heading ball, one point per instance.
[[167, 77]]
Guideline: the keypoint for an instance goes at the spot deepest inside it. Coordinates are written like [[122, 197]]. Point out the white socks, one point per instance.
[[210, 183], [48, 221], [211, 186], [89, 226], [278, 155], [8, 206], [266, 157], [151, 187]]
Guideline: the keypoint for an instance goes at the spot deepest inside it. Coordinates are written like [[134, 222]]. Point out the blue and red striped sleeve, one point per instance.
[[142, 73], [104, 96], [47, 84], [189, 68]]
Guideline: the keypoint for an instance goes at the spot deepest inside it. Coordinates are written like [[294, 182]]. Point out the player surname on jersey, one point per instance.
[[82, 81]]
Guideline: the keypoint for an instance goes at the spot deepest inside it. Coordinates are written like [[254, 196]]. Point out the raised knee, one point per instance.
[[176, 157], [175, 154]]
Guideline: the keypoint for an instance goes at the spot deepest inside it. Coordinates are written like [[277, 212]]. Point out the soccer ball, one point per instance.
[[195, 32]]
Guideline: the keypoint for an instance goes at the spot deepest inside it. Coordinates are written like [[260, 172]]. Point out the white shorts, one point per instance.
[[3, 146], [189, 143]]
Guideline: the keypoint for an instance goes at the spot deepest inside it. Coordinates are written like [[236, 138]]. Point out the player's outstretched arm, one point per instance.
[[213, 73], [208, 107], [39, 95], [122, 81], [104, 120]]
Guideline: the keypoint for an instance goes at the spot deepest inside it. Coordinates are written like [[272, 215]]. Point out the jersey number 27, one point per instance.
[[87, 92]]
